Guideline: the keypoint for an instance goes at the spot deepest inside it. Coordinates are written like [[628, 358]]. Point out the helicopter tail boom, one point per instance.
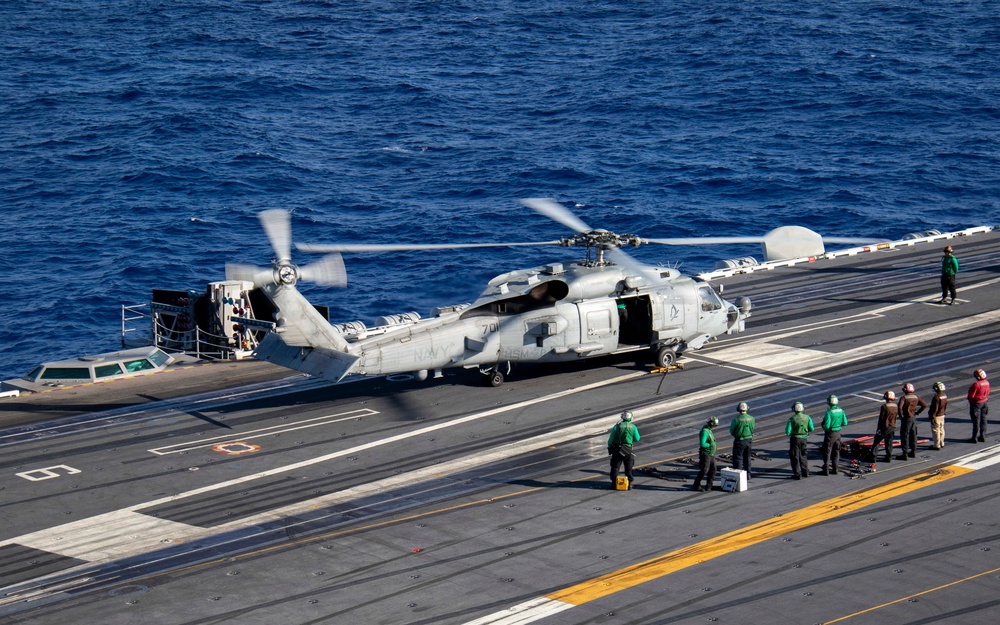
[[320, 362], [304, 340]]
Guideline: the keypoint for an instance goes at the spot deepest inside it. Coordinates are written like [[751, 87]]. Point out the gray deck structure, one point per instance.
[[239, 492]]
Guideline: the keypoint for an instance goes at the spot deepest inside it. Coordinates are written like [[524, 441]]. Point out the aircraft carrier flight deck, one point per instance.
[[241, 492]]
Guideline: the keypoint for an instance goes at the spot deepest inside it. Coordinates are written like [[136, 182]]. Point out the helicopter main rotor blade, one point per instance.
[[278, 226], [731, 240], [403, 247], [704, 240], [557, 212], [852, 240], [625, 260], [327, 271]]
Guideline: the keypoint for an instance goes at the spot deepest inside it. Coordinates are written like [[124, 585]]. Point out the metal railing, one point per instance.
[[195, 341]]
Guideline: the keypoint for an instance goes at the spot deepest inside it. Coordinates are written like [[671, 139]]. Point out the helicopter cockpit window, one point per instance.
[[709, 299], [541, 296]]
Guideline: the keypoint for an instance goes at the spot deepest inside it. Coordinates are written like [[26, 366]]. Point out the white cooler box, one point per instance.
[[734, 481]]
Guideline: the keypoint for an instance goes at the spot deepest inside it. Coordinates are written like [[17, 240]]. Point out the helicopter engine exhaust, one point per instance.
[[402, 319], [351, 328]]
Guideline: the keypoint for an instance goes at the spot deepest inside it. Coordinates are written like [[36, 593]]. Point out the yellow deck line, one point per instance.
[[745, 537]]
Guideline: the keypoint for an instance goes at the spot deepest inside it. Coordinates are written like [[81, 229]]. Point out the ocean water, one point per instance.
[[140, 138]]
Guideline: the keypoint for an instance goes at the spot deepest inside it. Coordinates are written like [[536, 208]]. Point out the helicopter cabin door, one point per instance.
[[634, 320], [599, 326]]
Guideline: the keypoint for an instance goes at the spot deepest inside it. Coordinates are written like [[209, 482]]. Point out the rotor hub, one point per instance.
[[599, 241], [286, 273]]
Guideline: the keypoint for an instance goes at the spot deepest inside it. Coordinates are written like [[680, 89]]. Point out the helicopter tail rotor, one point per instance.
[[328, 271]]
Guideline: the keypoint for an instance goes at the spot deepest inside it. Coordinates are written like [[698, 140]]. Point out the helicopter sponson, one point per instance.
[[556, 312]]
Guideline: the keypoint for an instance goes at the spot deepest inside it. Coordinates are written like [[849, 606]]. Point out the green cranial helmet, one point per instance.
[[798, 407], [627, 415], [938, 387], [713, 421], [743, 407], [832, 400]]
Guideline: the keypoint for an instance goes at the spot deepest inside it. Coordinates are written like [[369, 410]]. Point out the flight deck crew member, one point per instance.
[[706, 456], [833, 421], [939, 403], [949, 267], [885, 431], [797, 430], [979, 392], [620, 441], [741, 430], [909, 407]]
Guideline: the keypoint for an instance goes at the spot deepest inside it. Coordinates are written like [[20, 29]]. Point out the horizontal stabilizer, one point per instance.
[[324, 363]]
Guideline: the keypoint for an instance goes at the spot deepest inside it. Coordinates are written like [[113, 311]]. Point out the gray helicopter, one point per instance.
[[607, 303]]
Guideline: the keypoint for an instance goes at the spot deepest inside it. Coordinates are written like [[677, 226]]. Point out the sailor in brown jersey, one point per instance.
[[909, 407], [939, 403], [886, 429]]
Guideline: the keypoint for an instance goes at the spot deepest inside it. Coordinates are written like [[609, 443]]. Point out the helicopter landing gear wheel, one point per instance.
[[493, 376], [665, 357]]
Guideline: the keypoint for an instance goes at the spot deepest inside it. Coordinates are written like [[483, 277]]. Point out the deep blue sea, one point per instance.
[[140, 138]]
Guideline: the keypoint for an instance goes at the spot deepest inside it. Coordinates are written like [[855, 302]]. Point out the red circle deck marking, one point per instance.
[[235, 448]]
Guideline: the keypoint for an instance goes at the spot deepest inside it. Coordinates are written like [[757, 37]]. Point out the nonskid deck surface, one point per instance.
[[213, 496]]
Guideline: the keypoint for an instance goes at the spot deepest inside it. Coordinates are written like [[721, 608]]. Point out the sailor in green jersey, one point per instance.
[[741, 429], [620, 441], [949, 267], [833, 421], [797, 430], [706, 456]]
